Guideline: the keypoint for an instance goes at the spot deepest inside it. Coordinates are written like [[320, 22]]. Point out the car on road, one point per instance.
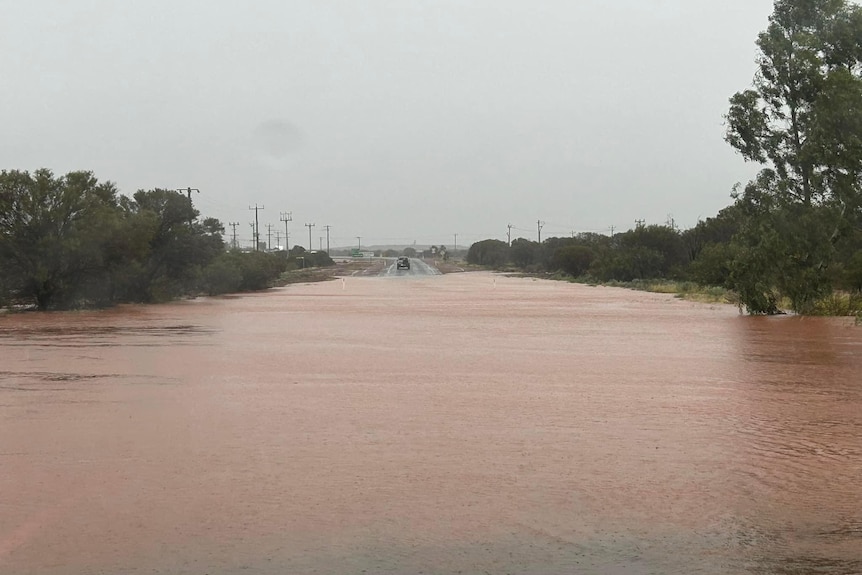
[[403, 263]]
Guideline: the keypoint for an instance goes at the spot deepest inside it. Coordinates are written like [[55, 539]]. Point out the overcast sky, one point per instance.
[[393, 120]]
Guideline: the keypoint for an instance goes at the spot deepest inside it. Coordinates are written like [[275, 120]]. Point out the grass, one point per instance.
[[689, 291], [840, 304]]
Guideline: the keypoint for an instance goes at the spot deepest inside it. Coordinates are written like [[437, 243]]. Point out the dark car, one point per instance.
[[403, 263]]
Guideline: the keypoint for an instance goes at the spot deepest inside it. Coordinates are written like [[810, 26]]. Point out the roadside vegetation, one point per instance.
[[792, 239], [72, 242]]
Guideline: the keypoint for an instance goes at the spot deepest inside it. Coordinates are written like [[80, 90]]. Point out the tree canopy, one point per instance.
[[73, 241], [802, 121]]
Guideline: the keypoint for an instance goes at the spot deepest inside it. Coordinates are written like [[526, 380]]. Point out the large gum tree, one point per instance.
[[802, 121]]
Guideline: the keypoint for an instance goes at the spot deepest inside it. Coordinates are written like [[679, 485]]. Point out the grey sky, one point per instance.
[[394, 120]]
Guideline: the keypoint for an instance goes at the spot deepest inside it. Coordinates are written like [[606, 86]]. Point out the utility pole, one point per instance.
[[309, 226], [509, 234], [456, 245], [320, 243], [233, 225], [268, 237], [612, 232], [359, 239], [253, 235], [639, 224], [540, 224], [277, 238], [188, 191], [327, 237], [286, 217], [671, 223], [256, 208]]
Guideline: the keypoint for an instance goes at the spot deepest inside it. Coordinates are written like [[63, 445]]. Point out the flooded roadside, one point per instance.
[[443, 425]]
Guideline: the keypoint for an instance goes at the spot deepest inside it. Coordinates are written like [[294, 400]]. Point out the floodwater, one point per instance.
[[466, 423]]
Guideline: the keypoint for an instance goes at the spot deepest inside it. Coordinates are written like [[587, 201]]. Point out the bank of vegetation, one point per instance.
[[72, 241], [792, 238]]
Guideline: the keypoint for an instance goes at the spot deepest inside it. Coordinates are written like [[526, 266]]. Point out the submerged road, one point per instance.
[[417, 268]]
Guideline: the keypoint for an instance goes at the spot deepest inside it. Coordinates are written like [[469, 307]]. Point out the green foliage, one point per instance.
[[802, 120], [222, 275], [492, 253], [853, 273], [72, 241], [51, 233], [258, 270], [525, 253], [318, 259], [574, 260], [629, 263], [712, 267]]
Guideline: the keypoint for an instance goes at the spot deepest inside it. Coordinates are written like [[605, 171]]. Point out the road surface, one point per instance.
[[417, 268]]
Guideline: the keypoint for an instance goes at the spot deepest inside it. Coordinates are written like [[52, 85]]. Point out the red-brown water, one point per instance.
[[455, 424]]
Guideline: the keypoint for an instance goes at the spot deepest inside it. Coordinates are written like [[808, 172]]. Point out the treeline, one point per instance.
[[793, 233], [716, 252], [73, 241]]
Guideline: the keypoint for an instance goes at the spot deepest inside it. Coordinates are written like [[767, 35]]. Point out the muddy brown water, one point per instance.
[[458, 424]]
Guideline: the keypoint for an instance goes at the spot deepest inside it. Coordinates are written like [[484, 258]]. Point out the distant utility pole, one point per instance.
[[278, 238], [253, 235], [256, 208], [639, 223], [233, 225], [309, 226], [612, 232], [671, 223], [455, 249], [188, 191], [509, 234], [359, 239], [327, 237], [268, 237], [540, 224], [286, 217], [320, 243]]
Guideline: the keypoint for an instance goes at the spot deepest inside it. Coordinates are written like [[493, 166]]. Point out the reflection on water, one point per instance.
[[449, 425]]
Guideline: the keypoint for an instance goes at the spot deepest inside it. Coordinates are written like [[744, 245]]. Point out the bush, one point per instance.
[[221, 276], [573, 260]]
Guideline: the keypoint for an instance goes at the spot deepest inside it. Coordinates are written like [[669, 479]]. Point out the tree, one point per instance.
[[524, 252], [176, 245], [491, 253], [52, 230], [572, 259], [802, 120]]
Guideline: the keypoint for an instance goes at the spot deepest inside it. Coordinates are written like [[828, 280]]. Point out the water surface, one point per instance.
[[455, 424]]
